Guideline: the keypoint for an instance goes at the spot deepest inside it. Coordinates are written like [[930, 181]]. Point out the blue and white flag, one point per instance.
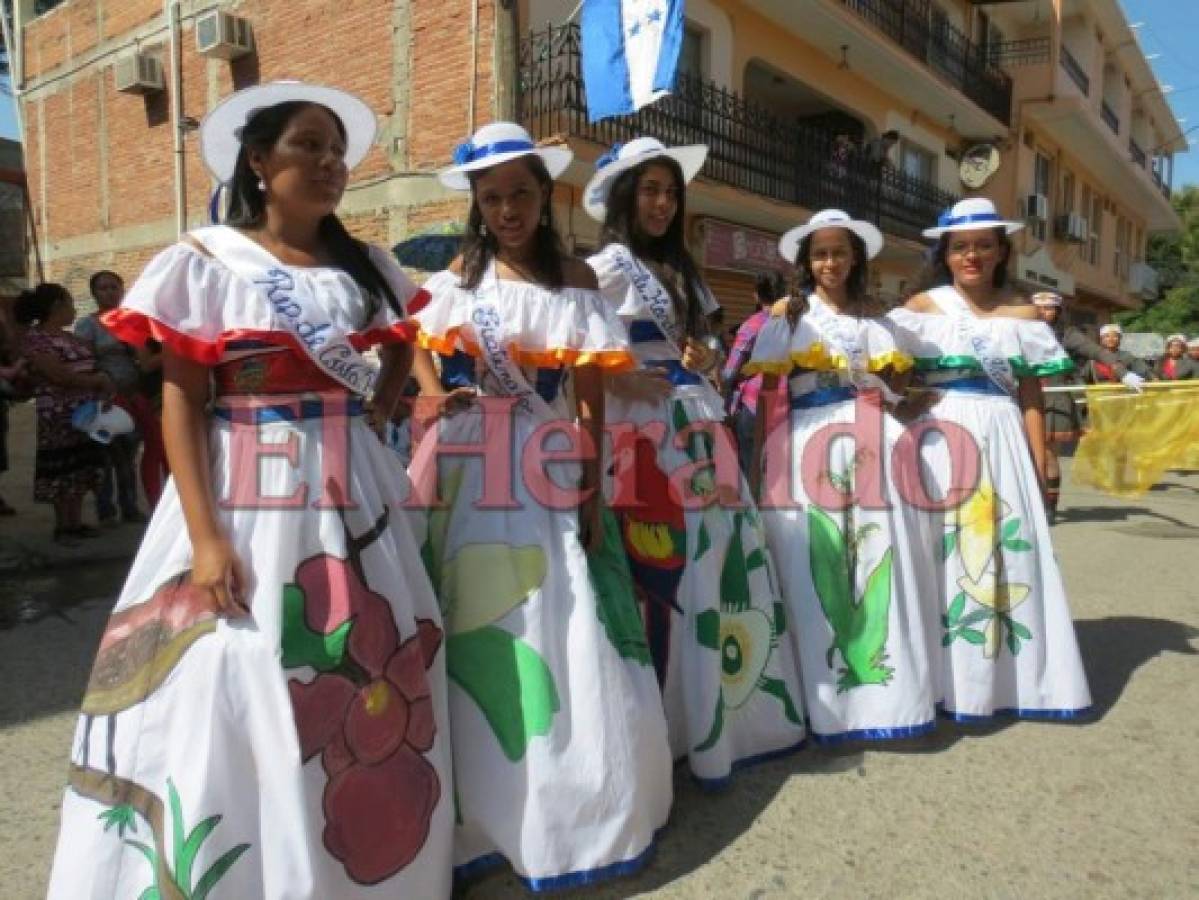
[[630, 53]]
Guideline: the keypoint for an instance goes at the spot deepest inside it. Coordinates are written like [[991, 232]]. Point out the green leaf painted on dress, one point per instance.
[[1017, 545], [146, 851], [948, 542], [150, 893], [976, 616], [616, 605], [707, 629], [956, 608], [703, 541], [509, 681], [830, 570], [973, 636], [304, 647], [717, 728], [191, 847], [734, 573], [217, 871], [1010, 528], [776, 687], [1013, 643], [947, 639], [1019, 629], [178, 834], [780, 618], [755, 560], [122, 817]]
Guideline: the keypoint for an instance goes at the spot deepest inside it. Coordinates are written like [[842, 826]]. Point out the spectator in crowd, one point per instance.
[[1176, 365], [69, 464], [878, 151], [1193, 348], [117, 361], [12, 387], [1125, 368], [741, 403]]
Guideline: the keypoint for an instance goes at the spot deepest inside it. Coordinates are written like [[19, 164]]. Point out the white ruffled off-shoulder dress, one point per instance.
[[301, 751], [561, 760], [847, 546], [717, 627], [1001, 616]]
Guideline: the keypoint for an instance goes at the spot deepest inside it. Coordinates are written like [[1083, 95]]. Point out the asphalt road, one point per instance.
[[1109, 808]]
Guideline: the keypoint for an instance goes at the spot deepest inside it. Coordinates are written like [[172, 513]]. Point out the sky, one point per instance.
[[1169, 33]]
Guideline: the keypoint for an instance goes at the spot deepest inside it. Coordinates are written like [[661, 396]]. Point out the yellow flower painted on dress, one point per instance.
[[976, 523]]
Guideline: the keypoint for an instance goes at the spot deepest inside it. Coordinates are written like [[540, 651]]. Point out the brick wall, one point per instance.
[[108, 157]]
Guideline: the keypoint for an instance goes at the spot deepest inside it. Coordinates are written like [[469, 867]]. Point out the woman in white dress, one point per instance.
[[267, 713], [838, 526], [1008, 643], [717, 628], [560, 757]]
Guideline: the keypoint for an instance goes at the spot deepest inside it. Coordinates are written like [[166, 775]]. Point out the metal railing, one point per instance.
[[748, 146], [1025, 52], [1075, 71], [944, 48], [1137, 154], [1110, 119]]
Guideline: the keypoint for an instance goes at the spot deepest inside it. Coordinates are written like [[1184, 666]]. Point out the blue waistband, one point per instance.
[[644, 332], [977, 385], [284, 412], [674, 371], [823, 397]]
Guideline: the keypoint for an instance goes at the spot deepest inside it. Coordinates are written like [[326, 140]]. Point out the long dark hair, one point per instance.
[[247, 204], [667, 255], [936, 270], [34, 305], [480, 247]]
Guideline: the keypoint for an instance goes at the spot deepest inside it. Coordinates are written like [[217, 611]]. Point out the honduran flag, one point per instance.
[[630, 53]]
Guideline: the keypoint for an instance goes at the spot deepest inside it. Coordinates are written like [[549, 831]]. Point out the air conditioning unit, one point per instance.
[[222, 35], [1072, 227], [138, 73], [1036, 206]]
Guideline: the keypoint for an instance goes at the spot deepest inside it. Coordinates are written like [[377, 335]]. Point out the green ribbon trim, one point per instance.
[[1020, 366]]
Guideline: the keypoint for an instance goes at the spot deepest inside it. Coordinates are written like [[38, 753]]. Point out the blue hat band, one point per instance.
[[971, 219], [468, 152]]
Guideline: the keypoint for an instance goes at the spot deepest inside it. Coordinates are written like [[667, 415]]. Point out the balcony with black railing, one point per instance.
[[748, 146], [1110, 119], [968, 66], [1137, 154], [1075, 70]]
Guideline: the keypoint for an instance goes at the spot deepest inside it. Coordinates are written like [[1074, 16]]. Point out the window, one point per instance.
[[1120, 258], [1041, 187], [1066, 200], [916, 162], [691, 54], [1094, 243]]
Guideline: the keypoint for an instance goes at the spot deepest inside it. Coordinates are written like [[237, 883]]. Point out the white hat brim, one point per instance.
[[595, 195], [220, 132], [870, 235], [556, 160], [1009, 228]]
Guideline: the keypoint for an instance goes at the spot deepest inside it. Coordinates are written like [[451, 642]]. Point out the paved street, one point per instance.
[[1104, 809]]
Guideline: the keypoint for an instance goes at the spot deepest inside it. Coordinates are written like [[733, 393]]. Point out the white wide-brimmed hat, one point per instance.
[[623, 157], [220, 132], [1176, 337], [497, 143], [1047, 298], [1110, 328], [971, 214], [1193, 343], [831, 218]]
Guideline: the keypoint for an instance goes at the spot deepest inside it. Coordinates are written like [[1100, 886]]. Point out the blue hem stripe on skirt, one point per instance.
[[1052, 715], [875, 734], [476, 867], [716, 784]]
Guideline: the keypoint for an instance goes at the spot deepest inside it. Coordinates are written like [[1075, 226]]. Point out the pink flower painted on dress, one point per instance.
[[368, 713]]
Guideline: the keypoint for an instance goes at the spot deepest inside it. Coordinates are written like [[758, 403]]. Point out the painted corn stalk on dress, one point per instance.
[[302, 751], [562, 768], [717, 627], [847, 546], [1008, 642]]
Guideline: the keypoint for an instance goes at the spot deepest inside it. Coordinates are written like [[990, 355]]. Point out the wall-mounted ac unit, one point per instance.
[[1036, 206], [222, 35], [138, 73], [1072, 227]]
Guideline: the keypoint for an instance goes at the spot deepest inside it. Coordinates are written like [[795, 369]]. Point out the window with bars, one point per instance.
[[1042, 182], [1095, 241]]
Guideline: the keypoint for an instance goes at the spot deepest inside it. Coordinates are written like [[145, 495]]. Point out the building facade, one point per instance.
[[793, 97]]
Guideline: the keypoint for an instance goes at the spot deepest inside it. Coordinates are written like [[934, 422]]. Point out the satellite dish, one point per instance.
[[979, 164]]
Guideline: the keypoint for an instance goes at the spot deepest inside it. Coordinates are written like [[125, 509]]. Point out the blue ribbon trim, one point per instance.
[[283, 412], [717, 784], [823, 397], [981, 385], [675, 372], [643, 331], [467, 152], [966, 220], [1045, 715], [875, 734], [476, 867]]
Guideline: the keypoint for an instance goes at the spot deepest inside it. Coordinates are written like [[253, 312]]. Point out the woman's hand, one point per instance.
[[642, 385], [915, 403], [697, 358], [216, 567]]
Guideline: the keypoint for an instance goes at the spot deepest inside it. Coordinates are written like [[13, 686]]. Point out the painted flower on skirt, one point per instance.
[[369, 713], [976, 526]]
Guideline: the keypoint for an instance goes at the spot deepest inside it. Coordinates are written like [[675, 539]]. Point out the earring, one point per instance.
[[483, 229], [261, 186]]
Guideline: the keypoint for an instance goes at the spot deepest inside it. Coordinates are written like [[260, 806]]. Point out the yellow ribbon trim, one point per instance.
[[616, 360], [816, 358]]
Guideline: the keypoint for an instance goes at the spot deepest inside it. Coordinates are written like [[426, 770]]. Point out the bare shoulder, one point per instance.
[[1018, 306], [921, 303], [577, 274], [455, 265]]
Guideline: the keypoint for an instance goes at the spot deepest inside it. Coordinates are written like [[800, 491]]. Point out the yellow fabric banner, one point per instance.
[[1134, 438]]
